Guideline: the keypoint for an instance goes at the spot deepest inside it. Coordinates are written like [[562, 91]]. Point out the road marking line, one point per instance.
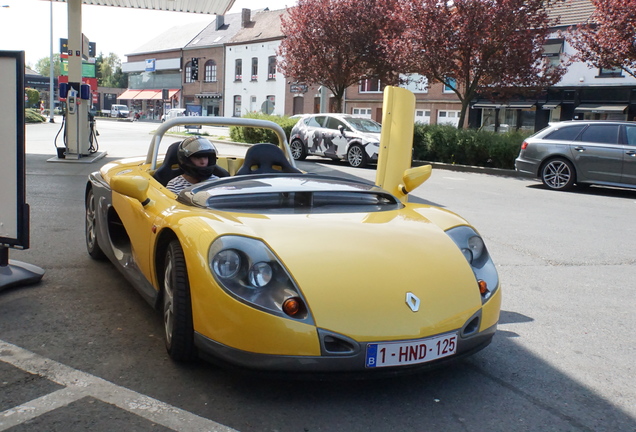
[[81, 384], [36, 407]]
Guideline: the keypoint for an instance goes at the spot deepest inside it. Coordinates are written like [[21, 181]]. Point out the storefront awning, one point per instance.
[[601, 108], [520, 105], [487, 105], [511, 105], [147, 94], [209, 95], [159, 94], [128, 94], [550, 105]]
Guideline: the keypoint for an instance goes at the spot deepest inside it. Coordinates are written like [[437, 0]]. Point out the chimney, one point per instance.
[[245, 17], [220, 21]]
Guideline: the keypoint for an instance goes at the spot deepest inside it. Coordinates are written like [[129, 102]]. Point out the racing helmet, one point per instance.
[[196, 146]]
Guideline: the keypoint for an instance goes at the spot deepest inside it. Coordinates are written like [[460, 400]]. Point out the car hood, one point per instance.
[[355, 270]]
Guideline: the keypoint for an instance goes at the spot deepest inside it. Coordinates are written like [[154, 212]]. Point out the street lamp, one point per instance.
[[51, 78]]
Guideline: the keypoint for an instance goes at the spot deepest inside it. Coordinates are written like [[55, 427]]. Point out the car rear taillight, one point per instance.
[[524, 145]]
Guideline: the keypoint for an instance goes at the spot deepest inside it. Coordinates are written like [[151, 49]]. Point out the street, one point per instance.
[[83, 351]]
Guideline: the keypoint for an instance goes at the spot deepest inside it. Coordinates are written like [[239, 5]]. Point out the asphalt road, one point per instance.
[[82, 351]]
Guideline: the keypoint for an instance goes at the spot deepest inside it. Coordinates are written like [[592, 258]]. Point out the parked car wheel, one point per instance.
[[357, 156], [92, 245], [177, 308], [558, 174], [298, 150]]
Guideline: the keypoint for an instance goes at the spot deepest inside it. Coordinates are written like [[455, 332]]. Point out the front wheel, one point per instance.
[[90, 225], [177, 307], [357, 156], [558, 174], [298, 150]]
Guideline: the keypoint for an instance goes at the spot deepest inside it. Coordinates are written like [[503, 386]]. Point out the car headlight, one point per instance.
[[249, 271], [226, 264], [474, 250]]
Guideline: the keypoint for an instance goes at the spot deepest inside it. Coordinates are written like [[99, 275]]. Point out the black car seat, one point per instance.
[[169, 169], [265, 158]]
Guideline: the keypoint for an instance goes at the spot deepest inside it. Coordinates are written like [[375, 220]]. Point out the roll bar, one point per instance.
[[153, 150]]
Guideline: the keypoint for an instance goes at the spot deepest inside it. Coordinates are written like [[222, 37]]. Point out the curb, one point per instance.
[[469, 168]]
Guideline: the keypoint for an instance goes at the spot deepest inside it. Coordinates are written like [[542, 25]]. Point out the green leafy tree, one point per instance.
[[607, 40], [33, 97], [120, 79], [109, 72], [43, 66]]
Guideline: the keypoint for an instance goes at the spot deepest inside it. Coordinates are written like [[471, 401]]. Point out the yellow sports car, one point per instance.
[[271, 268]]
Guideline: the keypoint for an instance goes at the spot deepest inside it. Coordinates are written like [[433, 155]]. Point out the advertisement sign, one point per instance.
[[150, 65], [14, 211], [193, 110]]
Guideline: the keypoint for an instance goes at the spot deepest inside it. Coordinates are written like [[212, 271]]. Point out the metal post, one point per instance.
[[51, 77]]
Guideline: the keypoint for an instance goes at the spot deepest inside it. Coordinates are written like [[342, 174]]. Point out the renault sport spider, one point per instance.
[[271, 268]]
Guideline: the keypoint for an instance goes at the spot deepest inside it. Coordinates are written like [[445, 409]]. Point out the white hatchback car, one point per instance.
[[172, 113], [336, 136]]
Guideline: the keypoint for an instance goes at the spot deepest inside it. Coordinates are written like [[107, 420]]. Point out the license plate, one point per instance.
[[411, 352]]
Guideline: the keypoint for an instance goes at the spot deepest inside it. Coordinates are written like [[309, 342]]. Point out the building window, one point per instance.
[[254, 68], [414, 82], [237, 106], [423, 116], [552, 50], [210, 71], [188, 72], [450, 86], [614, 72], [370, 85], [361, 112], [238, 70], [448, 117], [271, 67]]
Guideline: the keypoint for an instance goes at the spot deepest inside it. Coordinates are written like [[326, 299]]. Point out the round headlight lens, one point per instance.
[[227, 263], [260, 274], [476, 246]]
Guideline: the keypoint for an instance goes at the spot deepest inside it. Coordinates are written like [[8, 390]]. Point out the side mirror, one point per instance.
[[131, 186], [414, 177]]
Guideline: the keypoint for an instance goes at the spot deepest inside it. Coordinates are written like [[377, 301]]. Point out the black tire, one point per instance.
[[90, 224], [357, 156], [177, 307], [298, 150], [558, 174]]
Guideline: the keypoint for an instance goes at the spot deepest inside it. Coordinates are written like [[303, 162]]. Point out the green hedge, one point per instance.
[[447, 144], [431, 143], [258, 135], [32, 115]]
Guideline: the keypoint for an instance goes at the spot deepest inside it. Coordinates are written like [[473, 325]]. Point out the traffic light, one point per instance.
[[194, 71]]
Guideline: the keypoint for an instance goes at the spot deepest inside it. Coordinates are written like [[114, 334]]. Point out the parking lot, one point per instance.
[[83, 351]]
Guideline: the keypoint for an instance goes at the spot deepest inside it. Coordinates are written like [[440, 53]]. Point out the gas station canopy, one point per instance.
[[218, 7]]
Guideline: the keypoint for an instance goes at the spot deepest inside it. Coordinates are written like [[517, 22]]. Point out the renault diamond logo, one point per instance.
[[412, 301]]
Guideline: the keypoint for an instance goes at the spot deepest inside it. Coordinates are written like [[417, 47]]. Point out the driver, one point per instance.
[[197, 159]]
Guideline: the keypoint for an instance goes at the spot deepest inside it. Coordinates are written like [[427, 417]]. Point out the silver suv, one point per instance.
[[581, 152], [336, 136]]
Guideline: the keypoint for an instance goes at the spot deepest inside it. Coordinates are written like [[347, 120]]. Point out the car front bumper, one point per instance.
[[332, 363]]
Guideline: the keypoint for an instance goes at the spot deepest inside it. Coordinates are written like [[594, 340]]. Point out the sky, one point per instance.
[[25, 25]]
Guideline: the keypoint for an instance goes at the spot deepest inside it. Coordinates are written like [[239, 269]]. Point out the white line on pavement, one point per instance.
[[80, 384]]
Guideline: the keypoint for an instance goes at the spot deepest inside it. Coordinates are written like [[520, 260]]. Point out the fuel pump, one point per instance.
[[80, 134]]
